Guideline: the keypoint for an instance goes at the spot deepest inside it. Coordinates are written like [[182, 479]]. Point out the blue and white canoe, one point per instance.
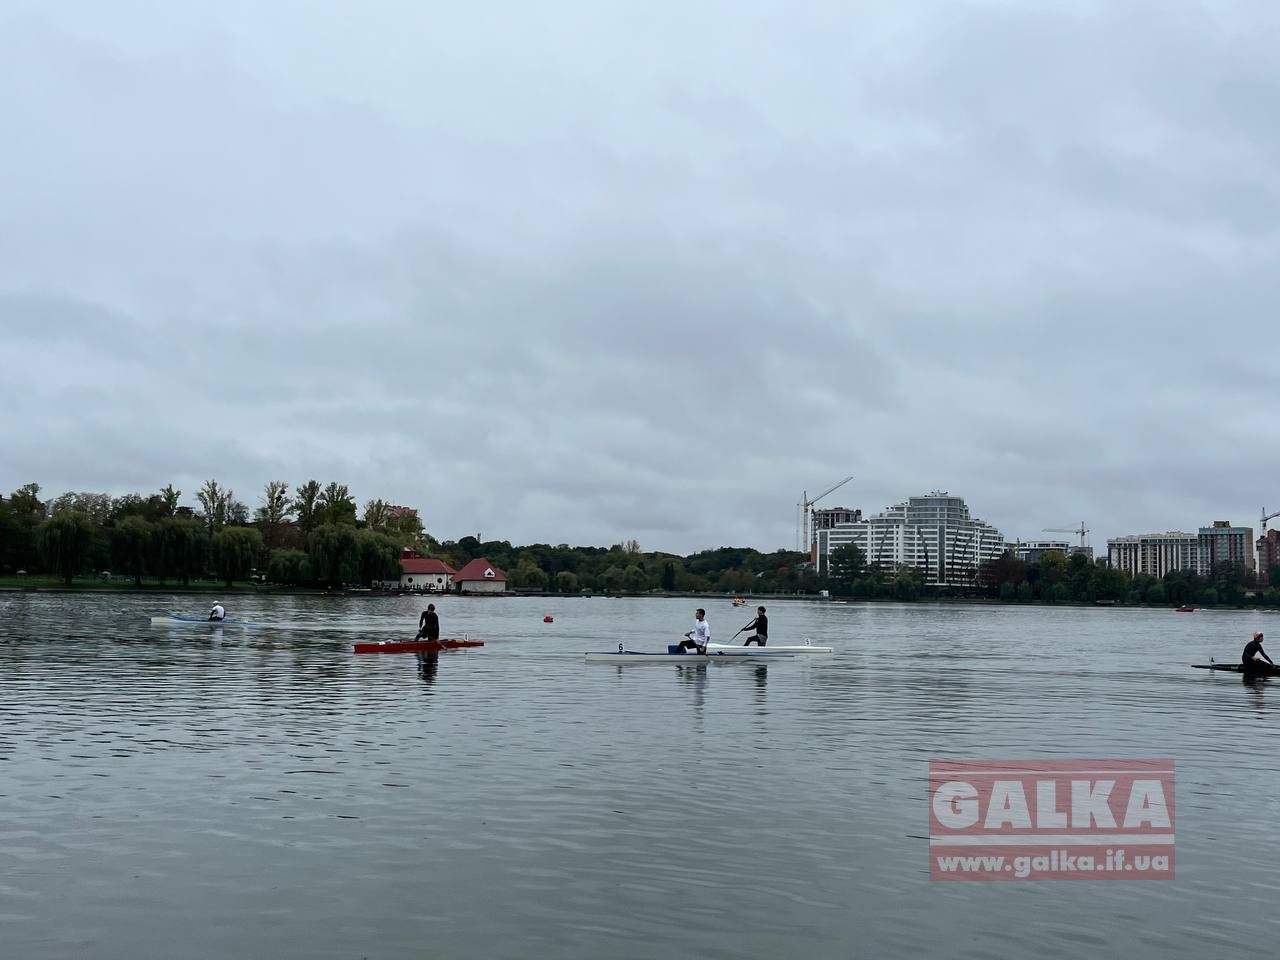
[[179, 618], [621, 656], [805, 647]]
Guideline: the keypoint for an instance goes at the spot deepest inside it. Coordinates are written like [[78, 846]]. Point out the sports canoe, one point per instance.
[[179, 618], [635, 656], [415, 646], [793, 648], [1268, 670]]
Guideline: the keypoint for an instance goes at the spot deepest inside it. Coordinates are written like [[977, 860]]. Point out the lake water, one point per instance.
[[203, 792]]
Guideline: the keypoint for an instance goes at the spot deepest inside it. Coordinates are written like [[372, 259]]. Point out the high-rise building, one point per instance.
[[1268, 554], [1155, 553], [1223, 542], [933, 533]]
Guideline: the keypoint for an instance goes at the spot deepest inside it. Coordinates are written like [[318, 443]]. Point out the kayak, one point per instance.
[[415, 646], [635, 656], [178, 618], [794, 648], [1268, 670]]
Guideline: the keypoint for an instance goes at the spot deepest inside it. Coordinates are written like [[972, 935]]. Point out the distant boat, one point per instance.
[[1185, 609], [738, 601]]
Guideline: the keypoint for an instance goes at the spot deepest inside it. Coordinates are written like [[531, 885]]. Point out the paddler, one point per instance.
[[761, 627], [1254, 656], [429, 624], [217, 613], [697, 638]]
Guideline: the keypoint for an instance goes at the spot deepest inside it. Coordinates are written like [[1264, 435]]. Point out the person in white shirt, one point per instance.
[[217, 613], [698, 638]]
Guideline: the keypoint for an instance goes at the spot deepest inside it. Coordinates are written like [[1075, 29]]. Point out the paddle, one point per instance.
[[735, 636]]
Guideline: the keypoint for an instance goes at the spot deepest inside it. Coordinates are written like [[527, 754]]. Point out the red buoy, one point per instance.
[[548, 619]]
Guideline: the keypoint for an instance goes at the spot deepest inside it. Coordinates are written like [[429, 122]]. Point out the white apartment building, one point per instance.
[[933, 533], [1155, 553], [1158, 553]]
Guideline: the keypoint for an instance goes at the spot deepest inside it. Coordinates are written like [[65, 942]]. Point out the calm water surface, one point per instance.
[[262, 792]]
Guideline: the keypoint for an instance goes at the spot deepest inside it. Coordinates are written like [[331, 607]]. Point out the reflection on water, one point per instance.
[[215, 791]]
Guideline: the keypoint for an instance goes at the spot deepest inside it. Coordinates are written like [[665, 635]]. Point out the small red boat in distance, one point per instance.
[[548, 619], [416, 646], [1185, 609]]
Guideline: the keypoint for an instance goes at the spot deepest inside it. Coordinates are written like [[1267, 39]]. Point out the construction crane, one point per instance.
[[808, 538], [1081, 531], [1268, 516]]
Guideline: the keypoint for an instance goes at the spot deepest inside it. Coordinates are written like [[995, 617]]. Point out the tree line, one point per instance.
[[311, 536]]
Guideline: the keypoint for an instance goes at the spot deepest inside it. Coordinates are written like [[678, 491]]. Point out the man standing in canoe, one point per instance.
[[429, 624], [1254, 657], [218, 612], [697, 638], [761, 627]]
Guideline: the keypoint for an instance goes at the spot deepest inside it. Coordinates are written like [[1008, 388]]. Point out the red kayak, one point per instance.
[[416, 646]]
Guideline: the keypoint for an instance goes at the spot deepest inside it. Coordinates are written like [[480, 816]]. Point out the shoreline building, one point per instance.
[[1223, 542], [1155, 553], [1159, 553], [933, 533], [1268, 554]]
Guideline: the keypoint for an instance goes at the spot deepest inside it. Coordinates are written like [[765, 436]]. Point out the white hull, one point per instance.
[[771, 648], [722, 656]]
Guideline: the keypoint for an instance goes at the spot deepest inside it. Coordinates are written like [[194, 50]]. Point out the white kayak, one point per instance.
[[723, 656], [771, 648]]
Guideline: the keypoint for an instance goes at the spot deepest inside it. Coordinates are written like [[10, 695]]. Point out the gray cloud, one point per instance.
[[605, 271]]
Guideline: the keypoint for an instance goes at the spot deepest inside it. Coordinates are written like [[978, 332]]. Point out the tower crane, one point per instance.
[[809, 538], [1268, 516], [1081, 531]]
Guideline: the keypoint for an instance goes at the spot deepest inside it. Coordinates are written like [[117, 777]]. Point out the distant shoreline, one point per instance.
[[752, 600]]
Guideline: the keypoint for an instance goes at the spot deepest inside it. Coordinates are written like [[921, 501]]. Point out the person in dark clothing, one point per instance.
[[429, 624], [1254, 657], [761, 627]]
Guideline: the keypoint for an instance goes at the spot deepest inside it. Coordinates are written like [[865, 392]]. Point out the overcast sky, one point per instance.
[[586, 271]]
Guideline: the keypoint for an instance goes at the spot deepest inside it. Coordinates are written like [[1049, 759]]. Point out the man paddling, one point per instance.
[[1254, 657], [217, 613], [429, 624], [697, 638], [761, 627]]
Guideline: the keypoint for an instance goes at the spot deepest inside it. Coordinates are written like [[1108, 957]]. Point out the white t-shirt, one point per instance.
[[217, 613], [701, 633]]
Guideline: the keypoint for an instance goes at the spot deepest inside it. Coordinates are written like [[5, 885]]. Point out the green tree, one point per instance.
[[334, 554], [64, 542], [184, 548], [379, 557], [20, 517], [848, 563], [214, 501], [567, 582], [235, 552], [669, 576], [132, 547], [529, 576], [635, 579], [288, 566], [274, 512], [306, 504], [336, 505], [170, 497]]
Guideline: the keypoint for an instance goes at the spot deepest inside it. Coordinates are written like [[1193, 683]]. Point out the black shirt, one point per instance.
[[430, 625], [1250, 648], [761, 626]]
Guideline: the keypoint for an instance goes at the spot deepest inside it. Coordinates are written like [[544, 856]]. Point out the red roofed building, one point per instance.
[[423, 575], [480, 576]]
